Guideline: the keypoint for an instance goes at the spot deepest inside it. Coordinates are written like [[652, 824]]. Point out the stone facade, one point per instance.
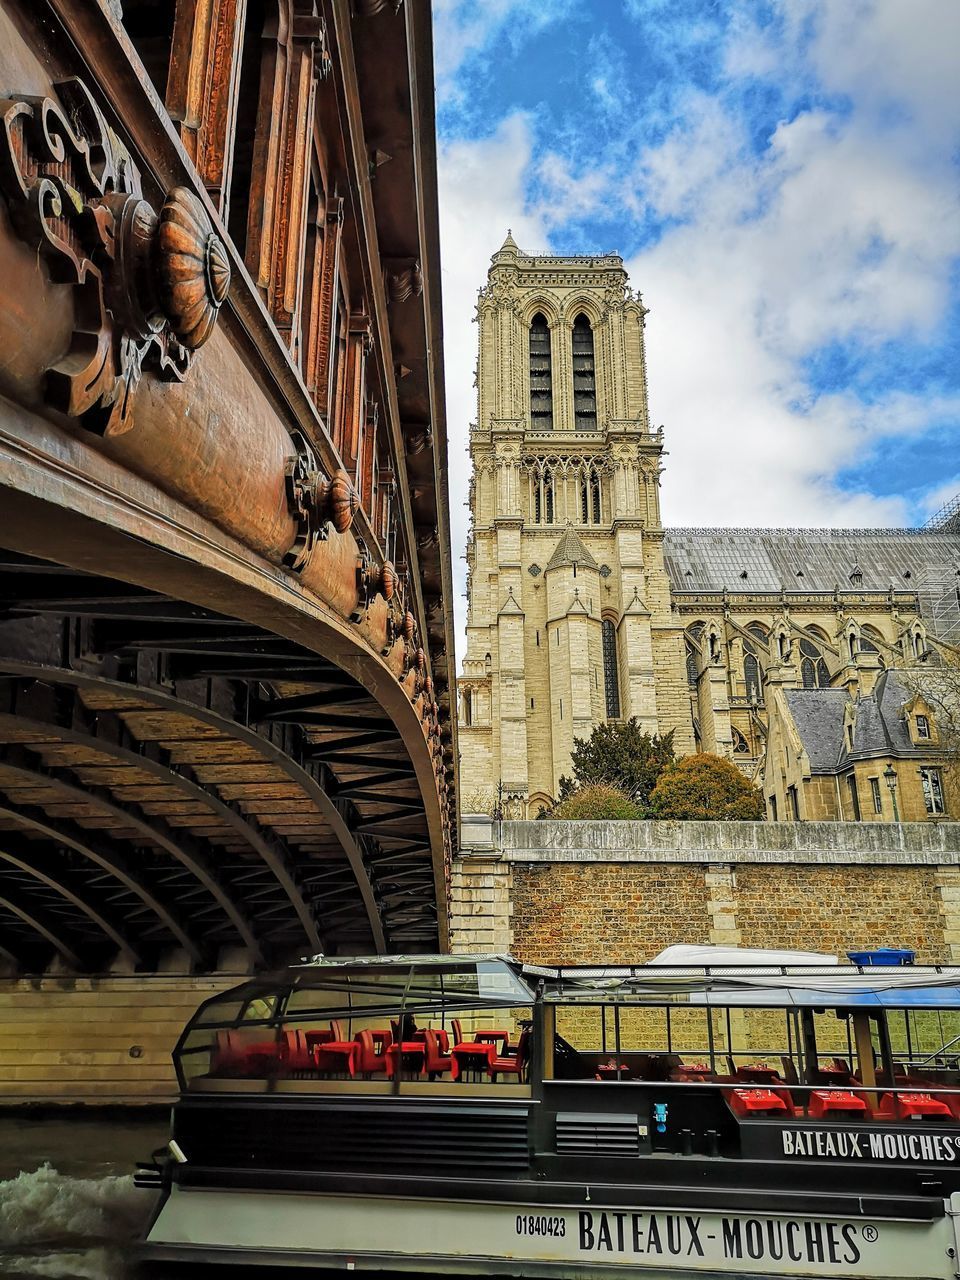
[[582, 607], [590, 892]]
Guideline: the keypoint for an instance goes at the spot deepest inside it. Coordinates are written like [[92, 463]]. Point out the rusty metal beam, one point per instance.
[[105, 854], [42, 923], [107, 733], [242, 733], [23, 854], [182, 847]]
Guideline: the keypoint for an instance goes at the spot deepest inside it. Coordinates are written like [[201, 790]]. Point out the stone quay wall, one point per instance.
[[587, 892]]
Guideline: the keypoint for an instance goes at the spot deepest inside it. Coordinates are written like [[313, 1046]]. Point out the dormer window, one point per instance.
[[856, 576], [923, 727], [541, 379]]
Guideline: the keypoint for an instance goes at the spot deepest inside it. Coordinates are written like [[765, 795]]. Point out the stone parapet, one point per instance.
[[907, 843]]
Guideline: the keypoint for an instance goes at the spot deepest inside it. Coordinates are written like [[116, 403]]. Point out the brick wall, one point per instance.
[[572, 892], [573, 914]]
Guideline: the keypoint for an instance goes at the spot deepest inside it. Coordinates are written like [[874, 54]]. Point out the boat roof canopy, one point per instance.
[[382, 985]]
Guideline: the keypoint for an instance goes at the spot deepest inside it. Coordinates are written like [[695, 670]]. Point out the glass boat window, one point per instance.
[[392, 1028]]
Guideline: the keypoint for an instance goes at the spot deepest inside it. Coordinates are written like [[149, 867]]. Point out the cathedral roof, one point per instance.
[[570, 550], [758, 560]]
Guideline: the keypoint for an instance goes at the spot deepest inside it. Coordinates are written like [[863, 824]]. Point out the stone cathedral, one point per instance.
[[583, 608]]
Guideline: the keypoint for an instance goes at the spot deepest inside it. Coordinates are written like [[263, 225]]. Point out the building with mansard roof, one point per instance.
[[583, 608]]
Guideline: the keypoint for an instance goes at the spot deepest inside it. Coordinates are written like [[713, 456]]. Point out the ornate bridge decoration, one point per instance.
[[148, 286]]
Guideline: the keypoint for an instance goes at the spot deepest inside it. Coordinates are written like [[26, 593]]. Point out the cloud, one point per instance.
[[783, 180], [481, 196]]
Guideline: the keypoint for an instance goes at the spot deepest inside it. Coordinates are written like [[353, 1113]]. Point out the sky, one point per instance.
[[781, 180]]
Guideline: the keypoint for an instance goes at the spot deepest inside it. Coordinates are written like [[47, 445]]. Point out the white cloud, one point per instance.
[[481, 196], [844, 228]]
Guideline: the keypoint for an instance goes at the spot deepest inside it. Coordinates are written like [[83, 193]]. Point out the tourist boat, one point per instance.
[[473, 1115]]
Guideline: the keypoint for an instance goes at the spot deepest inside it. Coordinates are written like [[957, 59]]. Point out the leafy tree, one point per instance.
[[597, 802], [702, 787], [622, 755]]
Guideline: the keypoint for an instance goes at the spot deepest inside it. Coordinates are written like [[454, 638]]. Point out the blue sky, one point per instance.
[[782, 180]]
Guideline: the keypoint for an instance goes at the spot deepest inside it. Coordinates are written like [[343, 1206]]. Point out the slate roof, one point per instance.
[[715, 559], [878, 727], [818, 716], [570, 550]]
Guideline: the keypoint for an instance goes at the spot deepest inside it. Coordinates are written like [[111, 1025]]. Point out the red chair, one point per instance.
[[237, 1057], [296, 1053], [512, 1064], [436, 1058], [913, 1106], [336, 1054], [837, 1102], [371, 1056], [457, 1031]]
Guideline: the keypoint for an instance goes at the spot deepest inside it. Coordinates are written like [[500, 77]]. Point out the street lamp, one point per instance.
[[890, 778]]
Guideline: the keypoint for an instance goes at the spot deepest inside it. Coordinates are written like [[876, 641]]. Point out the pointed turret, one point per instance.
[[509, 248]]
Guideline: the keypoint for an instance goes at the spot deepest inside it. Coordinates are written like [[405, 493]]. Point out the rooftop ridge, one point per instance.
[[820, 530]]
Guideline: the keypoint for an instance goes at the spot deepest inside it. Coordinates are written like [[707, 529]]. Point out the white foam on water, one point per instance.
[[57, 1226]]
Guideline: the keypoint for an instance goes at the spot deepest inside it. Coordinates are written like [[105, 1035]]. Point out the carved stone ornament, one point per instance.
[[315, 502], [147, 287]]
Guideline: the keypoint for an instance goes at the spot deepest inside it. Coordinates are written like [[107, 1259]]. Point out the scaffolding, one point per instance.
[[947, 519]]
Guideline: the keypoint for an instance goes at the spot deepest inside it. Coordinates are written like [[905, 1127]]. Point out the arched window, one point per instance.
[[466, 708], [813, 669], [611, 673], [584, 376], [543, 503], [596, 506], [591, 505], [751, 676], [868, 644], [541, 382], [692, 640], [740, 745]]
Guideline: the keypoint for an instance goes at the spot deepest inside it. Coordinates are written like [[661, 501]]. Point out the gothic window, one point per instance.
[[591, 506], [541, 384], [693, 652], [751, 676], [813, 669], [611, 674], [868, 646], [752, 670], [740, 745], [596, 506], [543, 498], [584, 376]]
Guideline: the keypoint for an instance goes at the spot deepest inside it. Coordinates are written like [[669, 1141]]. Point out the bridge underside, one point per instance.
[[177, 783]]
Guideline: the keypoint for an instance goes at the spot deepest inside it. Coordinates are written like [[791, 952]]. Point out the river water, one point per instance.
[[68, 1206]]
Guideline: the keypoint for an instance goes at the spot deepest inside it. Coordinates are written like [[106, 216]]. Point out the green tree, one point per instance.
[[597, 803], [619, 754], [703, 787]]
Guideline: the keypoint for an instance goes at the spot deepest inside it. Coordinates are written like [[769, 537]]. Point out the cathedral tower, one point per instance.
[[569, 618]]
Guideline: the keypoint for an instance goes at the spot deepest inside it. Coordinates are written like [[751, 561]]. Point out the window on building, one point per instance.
[[867, 645], [584, 376], [740, 745], [813, 669], [932, 784], [611, 671], [854, 796], [543, 505], [793, 803], [923, 727], [541, 380], [692, 639], [751, 677], [875, 795]]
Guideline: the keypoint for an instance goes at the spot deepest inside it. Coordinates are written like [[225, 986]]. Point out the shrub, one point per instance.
[[705, 787], [597, 803]]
